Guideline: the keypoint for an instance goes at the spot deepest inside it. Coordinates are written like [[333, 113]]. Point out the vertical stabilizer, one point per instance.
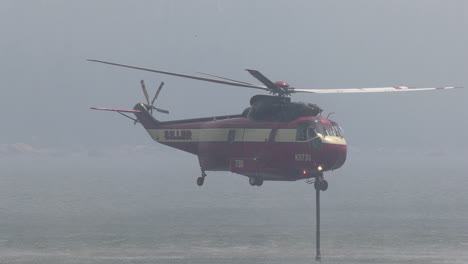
[[145, 117]]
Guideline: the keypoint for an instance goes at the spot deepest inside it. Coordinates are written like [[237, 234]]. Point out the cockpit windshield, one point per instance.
[[308, 131], [333, 130], [329, 128]]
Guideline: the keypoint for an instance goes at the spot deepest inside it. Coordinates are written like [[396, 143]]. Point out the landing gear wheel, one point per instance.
[[259, 181], [256, 181], [321, 185], [200, 181], [317, 185], [252, 181], [324, 185]]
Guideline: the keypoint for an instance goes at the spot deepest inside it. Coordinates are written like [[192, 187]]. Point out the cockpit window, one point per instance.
[[301, 133], [306, 132], [318, 127], [340, 129], [311, 133], [329, 131]]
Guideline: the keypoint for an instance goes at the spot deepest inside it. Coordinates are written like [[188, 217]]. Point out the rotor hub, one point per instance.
[[282, 84]]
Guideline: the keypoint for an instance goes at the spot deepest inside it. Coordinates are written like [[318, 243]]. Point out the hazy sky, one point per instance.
[[47, 86]]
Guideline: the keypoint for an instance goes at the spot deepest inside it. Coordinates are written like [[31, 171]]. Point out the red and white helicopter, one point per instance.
[[272, 140]]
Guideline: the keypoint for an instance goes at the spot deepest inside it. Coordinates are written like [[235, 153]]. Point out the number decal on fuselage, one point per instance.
[[303, 157]]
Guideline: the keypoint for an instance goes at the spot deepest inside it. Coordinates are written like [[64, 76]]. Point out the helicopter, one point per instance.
[[274, 139]]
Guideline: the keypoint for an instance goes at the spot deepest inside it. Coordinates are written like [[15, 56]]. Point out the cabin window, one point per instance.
[[231, 135], [271, 137]]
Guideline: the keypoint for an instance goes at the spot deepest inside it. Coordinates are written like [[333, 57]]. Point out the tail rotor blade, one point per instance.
[[160, 110], [157, 92], [145, 92], [150, 106]]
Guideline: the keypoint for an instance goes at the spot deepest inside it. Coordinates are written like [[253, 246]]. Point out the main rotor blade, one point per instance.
[[184, 75], [371, 90], [145, 92], [224, 78], [157, 92], [271, 85]]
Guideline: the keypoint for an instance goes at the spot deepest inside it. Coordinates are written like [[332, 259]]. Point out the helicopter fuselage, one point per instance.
[[284, 151]]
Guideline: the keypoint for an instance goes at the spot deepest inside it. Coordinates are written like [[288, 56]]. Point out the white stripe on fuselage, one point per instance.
[[167, 135]]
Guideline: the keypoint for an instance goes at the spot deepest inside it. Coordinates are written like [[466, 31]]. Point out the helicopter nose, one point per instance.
[[341, 156], [334, 156]]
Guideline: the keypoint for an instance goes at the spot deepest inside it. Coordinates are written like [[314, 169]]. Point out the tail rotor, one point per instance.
[[150, 105]]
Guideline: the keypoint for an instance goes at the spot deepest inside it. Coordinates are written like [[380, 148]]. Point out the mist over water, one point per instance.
[[110, 210]]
